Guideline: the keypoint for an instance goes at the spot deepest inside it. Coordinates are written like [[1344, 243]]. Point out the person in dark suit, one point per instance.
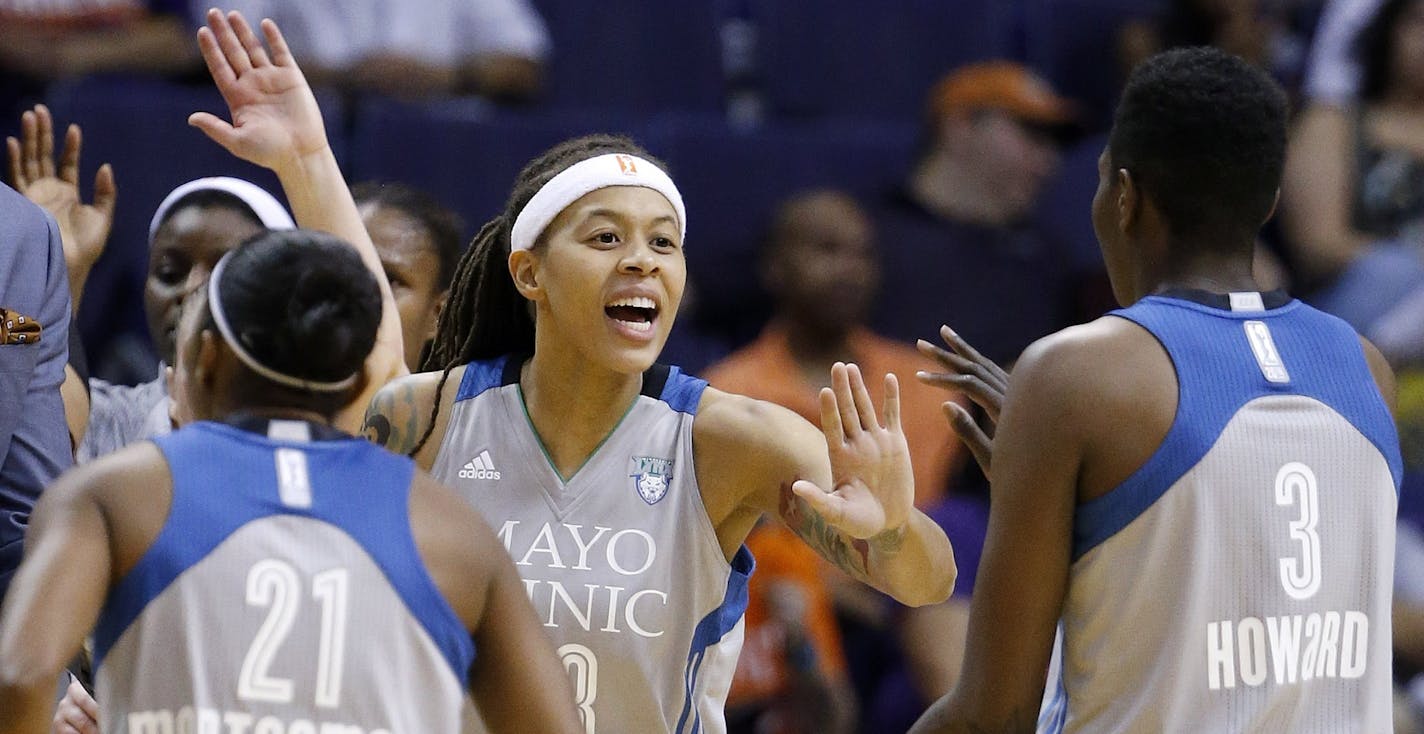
[[34, 347]]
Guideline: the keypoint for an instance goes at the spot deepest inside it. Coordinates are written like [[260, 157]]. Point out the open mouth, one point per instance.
[[635, 314]]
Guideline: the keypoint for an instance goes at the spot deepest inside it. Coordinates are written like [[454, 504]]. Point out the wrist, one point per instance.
[[890, 540]]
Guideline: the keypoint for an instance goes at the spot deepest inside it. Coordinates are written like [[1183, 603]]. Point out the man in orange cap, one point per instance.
[[959, 247]]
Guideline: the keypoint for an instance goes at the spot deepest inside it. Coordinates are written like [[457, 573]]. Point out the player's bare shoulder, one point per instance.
[[399, 415], [730, 425]]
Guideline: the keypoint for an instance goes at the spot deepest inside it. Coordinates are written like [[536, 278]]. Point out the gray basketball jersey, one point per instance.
[[1240, 580], [620, 560], [284, 595]]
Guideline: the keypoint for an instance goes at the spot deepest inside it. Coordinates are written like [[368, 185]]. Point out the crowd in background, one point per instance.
[[856, 178]]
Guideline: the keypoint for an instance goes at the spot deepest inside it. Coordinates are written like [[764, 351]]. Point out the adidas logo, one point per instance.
[[480, 467]]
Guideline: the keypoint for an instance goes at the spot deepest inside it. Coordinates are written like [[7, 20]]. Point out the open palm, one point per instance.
[[873, 486], [84, 228], [275, 118]]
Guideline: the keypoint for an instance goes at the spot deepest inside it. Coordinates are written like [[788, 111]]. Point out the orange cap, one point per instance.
[[999, 85]]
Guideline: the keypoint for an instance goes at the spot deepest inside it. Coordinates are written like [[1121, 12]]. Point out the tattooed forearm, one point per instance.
[[392, 420], [848, 554]]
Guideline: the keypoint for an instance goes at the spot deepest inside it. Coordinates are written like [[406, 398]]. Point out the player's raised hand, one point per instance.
[[275, 119], [975, 375], [873, 485], [84, 228]]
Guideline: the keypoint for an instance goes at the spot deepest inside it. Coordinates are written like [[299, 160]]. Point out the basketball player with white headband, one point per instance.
[[622, 489]]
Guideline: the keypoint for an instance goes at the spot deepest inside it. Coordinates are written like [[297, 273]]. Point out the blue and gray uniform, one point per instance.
[[283, 594], [1240, 580], [621, 561]]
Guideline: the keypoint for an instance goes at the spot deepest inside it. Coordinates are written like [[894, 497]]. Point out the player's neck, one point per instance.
[[272, 413], [1213, 274], [573, 404]]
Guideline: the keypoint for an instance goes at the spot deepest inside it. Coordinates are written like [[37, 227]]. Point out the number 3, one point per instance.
[[1300, 576], [583, 667]]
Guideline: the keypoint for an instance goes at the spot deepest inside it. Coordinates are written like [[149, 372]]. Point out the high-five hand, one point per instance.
[[873, 485], [83, 228], [976, 376], [275, 119]]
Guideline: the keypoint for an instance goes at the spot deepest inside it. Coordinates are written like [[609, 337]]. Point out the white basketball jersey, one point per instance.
[[1240, 580], [621, 561]]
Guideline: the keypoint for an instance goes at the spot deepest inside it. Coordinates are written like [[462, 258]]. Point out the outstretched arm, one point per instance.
[[1023, 575], [276, 124], [53, 601], [847, 491]]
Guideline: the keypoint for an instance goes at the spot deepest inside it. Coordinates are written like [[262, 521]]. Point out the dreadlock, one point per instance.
[[485, 316]]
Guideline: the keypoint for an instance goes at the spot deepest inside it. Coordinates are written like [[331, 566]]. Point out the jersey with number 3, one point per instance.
[[1240, 580], [620, 559], [284, 595]]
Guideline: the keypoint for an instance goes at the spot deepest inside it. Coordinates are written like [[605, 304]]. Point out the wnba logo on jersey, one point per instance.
[[651, 477]]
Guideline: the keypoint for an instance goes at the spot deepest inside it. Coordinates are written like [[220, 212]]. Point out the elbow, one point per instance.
[[936, 590]]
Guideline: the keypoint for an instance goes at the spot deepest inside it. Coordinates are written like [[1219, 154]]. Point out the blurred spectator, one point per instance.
[[1355, 171], [959, 245], [821, 271], [419, 242], [1332, 76], [791, 676], [492, 47], [932, 638], [53, 39], [1259, 31], [34, 329]]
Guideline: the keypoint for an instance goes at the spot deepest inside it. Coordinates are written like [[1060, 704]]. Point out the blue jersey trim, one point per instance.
[[1217, 375], [481, 376], [711, 630], [356, 487], [683, 392]]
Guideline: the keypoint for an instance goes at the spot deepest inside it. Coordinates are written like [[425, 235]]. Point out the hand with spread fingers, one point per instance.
[[83, 228], [873, 488], [275, 118], [971, 373]]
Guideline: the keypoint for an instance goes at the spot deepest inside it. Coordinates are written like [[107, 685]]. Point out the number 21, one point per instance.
[[274, 584]]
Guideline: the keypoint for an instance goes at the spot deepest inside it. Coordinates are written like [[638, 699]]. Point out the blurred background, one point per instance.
[[855, 174]]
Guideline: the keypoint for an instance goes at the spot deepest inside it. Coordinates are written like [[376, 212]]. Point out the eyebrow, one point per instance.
[[613, 214]]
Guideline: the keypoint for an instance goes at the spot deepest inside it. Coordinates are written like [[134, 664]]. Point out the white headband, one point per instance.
[[612, 169], [220, 318], [268, 210]]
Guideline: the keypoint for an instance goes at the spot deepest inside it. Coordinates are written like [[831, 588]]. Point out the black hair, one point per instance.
[[212, 199], [485, 316], [1374, 50], [443, 225], [301, 303], [1204, 135]]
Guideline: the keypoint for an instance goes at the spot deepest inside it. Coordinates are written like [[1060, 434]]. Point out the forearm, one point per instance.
[[321, 200], [946, 717], [914, 564], [27, 703]]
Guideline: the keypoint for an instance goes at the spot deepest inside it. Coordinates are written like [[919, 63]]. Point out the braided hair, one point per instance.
[[485, 316]]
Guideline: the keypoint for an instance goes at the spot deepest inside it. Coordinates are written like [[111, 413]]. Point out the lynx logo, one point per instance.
[[480, 467], [651, 477]]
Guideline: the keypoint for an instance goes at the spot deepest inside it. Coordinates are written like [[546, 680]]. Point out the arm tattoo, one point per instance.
[[392, 419], [851, 555]]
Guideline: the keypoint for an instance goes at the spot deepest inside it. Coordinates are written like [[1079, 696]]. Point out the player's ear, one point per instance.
[[1129, 200], [524, 269]]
